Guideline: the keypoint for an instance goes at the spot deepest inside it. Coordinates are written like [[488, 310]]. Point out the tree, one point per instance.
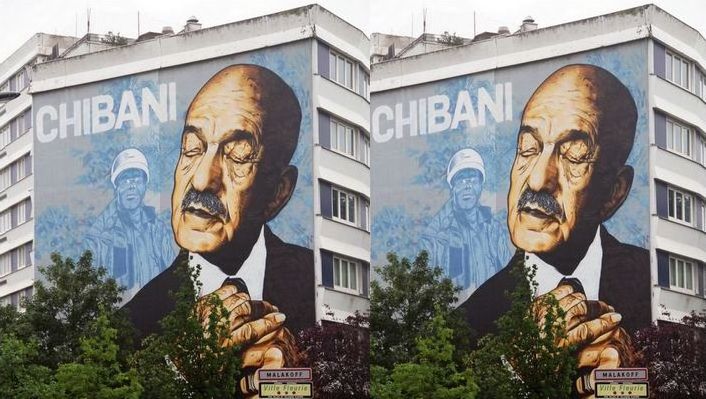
[[408, 296], [114, 39], [21, 377], [675, 354], [64, 308], [97, 374], [188, 358], [339, 355], [450, 39], [433, 374], [523, 359]]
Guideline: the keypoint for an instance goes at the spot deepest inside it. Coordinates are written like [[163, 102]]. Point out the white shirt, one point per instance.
[[588, 272], [252, 271]]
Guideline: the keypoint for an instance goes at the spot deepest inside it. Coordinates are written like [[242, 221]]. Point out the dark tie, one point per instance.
[[574, 282], [238, 283]]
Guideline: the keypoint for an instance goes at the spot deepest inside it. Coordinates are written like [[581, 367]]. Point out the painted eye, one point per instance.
[[528, 146], [192, 146], [239, 151]]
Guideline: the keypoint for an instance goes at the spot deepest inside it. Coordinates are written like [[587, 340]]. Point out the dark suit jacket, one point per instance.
[[289, 285], [625, 285]]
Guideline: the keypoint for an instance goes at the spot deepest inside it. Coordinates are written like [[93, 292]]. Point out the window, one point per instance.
[[16, 299], [680, 206], [703, 150], [678, 70], [350, 141], [343, 138], [365, 151], [15, 215], [344, 205], [16, 259], [346, 274], [679, 137], [341, 70], [682, 275]]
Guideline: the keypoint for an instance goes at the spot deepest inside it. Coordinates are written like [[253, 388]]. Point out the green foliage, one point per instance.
[[188, 359], [433, 374], [114, 39], [523, 360], [409, 295], [450, 39], [97, 374], [66, 304], [21, 377]]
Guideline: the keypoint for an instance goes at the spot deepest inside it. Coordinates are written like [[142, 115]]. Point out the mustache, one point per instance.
[[544, 200], [206, 200]]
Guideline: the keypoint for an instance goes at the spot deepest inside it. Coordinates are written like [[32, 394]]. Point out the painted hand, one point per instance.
[[276, 350], [248, 320], [583, 320], [611, 350]]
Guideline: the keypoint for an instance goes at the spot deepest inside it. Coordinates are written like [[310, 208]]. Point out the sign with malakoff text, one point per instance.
[[621, 374], [286, 374]]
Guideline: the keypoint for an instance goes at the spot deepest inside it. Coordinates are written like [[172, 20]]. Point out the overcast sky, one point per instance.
[[22, 18]]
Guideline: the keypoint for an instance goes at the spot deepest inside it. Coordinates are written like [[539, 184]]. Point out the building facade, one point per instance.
[[98, 118], [462, 108], [17, 271]]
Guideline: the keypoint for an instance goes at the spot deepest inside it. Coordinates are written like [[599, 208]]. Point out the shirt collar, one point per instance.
[[252, 271], [588, 271]]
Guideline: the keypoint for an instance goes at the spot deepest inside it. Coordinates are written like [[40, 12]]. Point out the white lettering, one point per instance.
[[50, 112], [485, 102], [149, 102], [102, 112], [95, 114], [382, 111], [401, 121], [436, 126], [127, 111], [464, 110], [65, 121]]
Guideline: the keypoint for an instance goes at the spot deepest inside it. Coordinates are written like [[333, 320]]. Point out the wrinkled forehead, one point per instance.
[[232, 100], [562, 105]]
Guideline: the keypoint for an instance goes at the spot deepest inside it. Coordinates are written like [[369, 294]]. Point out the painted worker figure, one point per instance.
[[463, 238], [232, 177], [570, 176], [127, 238]]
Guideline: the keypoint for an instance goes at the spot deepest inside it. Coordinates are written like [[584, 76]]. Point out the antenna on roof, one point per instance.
[[424, 21], [138, 24], [88, 20]]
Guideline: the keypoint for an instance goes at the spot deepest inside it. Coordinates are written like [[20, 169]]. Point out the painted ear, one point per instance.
[[619, 192], [285, 188]]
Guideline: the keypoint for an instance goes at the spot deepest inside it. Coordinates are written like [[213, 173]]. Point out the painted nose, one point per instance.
[[545, 172], [209, 175]]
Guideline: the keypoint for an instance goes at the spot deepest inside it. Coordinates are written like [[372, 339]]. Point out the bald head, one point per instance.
[[608, 103], [233, 173], [265, 104], [569, 173]]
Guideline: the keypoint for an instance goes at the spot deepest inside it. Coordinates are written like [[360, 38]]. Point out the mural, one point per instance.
[[208, 163], [544, 161]]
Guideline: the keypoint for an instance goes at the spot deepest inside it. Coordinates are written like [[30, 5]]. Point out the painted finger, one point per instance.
[[249, 384], [274, 358], [585, 384], [248, 311], [254, 330], [609, 358], [254, 357], [586, 310], [588, 331]]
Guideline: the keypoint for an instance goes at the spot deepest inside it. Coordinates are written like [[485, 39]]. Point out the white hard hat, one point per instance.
[[132, 158], [467, 158]]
